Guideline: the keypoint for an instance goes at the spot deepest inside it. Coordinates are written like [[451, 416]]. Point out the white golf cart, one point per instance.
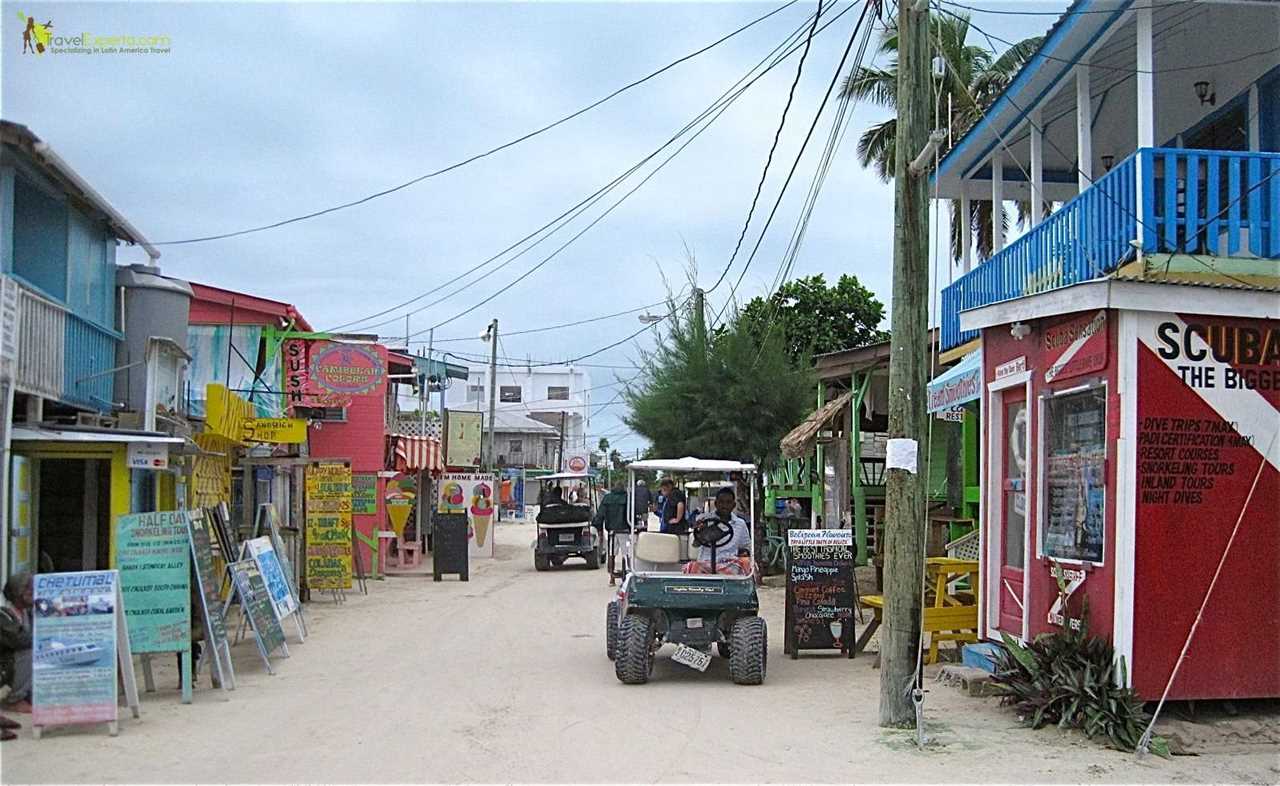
[[693, 604]]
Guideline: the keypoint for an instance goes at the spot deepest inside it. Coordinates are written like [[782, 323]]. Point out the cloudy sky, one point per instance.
[[260, 112]]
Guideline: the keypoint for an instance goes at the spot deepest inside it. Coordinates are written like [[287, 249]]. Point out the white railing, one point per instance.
[[40, 366]]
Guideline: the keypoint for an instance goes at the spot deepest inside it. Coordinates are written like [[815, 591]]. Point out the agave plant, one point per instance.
[[1076, 681]]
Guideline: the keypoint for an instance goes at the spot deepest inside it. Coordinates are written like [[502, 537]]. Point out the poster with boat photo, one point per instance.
[[75, 635]]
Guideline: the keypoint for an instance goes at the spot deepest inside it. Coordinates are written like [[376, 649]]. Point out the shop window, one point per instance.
[[509, 394], [515, 447], [322, 414], [1074, 480], [557, 393]]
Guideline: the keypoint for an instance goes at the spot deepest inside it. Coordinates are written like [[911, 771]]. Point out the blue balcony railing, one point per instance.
[[90, 354], [1194, 201]]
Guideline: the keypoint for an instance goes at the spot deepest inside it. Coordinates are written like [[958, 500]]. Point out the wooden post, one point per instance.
[[908, 375]]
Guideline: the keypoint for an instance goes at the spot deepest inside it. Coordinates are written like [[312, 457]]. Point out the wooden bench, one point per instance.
[[943, 623]]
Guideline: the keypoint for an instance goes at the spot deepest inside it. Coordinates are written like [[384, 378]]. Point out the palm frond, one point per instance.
[[876, 147]]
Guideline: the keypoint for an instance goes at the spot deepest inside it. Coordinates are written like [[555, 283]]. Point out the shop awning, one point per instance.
[[29, 434], [799, 442], [959, 384], [415, 454]]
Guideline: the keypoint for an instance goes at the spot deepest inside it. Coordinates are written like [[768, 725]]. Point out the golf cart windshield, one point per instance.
[[575, 501], [713, 551]]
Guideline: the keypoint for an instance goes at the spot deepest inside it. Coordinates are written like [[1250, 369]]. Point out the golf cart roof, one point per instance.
[[566, 476], [691, 464]]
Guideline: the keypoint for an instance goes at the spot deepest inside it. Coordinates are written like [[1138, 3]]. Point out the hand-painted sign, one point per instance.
[[957, 385], [364, 494], [577, 462], [1069, 580], [328, 535], [1076, 346], [225, 412], [147, 455], [255, 600], [209, 584], [473, 495], [77, 643], [346, 369], [272, 576], [462, 438], [296, 376], [154, 558], [820, 597], [276, 431], [1015, 366]]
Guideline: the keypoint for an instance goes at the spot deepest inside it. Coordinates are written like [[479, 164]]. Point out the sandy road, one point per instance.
[[504, 678]]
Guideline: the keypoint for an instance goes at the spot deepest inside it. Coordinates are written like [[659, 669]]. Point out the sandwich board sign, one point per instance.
[[79, 642], [153, 555], [255, 606], [280, 593], [209, 581], [270, 522]]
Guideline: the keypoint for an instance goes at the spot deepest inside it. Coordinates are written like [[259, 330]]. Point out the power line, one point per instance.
[[714, 110], [799, 155], [773, 147], [559, 326], [486, 153], [639, 185]]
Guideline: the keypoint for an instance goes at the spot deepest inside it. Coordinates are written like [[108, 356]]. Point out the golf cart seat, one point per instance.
[[657, 551]]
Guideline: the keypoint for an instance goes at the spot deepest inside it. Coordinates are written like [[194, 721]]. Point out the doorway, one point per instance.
[[73, 508], [1008, 475]]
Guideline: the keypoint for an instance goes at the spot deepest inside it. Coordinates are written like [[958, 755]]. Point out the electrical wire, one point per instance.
[[487, 153], [559, 326], [709, 115], [773, 147], [796, 163]]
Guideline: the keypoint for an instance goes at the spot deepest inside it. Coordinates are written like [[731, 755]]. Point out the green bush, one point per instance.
[[1073, 679]]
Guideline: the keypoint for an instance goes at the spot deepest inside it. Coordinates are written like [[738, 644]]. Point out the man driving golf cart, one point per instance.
[[718, 551]]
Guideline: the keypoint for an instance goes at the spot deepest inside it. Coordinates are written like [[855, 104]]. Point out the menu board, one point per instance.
[[328, 525], [255, 600], [154, 559], [77, 642], [209, 583], [451, 553], [820, 590], [1075, 476]]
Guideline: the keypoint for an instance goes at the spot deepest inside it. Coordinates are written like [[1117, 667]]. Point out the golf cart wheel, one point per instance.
[[634, 662], [748, 651], [722, 647], [611, 631], [593, 559], [540, 562]]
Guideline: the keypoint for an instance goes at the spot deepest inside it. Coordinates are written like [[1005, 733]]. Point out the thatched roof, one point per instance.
[[800, 440]]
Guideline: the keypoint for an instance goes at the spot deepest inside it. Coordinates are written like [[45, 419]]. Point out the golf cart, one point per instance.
[[661, 602], [564, 530]]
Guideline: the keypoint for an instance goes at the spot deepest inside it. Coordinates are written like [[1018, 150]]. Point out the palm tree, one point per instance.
[[973, 80]]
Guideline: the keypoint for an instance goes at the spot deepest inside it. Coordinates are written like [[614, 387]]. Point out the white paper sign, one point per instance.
[[901, 454], [147, 455]]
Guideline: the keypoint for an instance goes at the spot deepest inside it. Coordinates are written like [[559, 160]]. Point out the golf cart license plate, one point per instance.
[[694, 659], [570, 538], [693, 622]]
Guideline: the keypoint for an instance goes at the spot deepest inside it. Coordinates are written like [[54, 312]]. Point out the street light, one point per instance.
[[650, 319]]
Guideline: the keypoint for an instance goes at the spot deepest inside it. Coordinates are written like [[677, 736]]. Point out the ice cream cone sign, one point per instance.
[[399, 497], [451, 498], [482, 512]]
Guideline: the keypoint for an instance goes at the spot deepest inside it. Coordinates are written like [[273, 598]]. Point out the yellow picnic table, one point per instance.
[[949, 615]]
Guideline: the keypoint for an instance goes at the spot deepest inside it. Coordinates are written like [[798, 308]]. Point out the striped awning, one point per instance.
[[415, 454]]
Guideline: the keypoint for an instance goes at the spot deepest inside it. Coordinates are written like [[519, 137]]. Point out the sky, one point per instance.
[[260, 112]]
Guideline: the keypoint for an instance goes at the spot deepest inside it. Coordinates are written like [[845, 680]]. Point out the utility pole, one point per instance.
[[560, 449], [908, 374], [424, 398], [493, 390]]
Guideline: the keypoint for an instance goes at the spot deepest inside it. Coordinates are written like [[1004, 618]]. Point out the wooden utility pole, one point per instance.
[[908, 373], [493, 391], [560, 447]]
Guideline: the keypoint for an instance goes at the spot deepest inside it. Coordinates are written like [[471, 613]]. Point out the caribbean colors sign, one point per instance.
[[330, 373]]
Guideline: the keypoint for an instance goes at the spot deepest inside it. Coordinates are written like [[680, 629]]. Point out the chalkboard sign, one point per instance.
[[255, 602], [451, 548], [820, 590], [154, 559], [208, 581]]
